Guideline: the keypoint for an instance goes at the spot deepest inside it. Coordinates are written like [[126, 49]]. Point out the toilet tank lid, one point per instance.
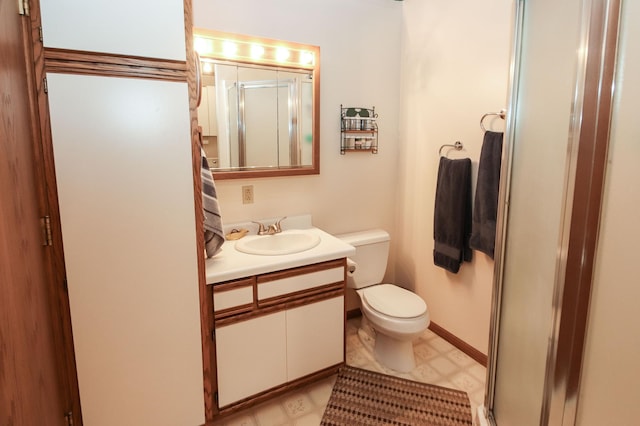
[[361, 238]]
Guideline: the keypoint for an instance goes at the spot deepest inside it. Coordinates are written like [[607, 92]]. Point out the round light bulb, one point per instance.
[[229, 48], [202, 45], [282, 54], [306, 57], [257, 51]]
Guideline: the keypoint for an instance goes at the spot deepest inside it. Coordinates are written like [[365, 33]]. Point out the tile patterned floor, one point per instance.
[[438, 362]]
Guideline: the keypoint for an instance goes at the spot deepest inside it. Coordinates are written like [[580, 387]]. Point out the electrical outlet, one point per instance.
[[247, 194]]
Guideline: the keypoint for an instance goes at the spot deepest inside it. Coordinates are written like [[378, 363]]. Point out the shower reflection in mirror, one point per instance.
[[259, 103]]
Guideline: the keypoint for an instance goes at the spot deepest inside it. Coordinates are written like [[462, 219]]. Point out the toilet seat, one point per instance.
[[394, 301]]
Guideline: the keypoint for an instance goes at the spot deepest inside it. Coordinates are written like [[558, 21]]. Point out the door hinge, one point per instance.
[[23, 7], [215, 397], [45, 85], [45, 224], [213, 335], [40, 33], [69, 418]]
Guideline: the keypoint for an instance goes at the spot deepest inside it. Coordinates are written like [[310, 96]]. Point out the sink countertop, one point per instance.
[[232, 264]]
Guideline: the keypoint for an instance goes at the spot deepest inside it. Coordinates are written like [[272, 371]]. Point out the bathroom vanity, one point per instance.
[[278, 320]]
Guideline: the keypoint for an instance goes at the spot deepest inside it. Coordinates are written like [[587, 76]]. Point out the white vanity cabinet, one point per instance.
[[290, 332]]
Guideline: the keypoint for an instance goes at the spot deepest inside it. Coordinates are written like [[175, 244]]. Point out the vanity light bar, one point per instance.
[[226, 46]]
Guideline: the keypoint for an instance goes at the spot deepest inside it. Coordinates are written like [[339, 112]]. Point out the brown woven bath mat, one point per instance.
[[362, 397]]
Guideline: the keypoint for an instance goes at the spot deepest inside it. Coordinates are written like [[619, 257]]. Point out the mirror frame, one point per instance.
[[213, 50]]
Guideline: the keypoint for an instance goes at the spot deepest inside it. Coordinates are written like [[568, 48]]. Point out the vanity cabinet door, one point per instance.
[[315, 337], [251, 357]]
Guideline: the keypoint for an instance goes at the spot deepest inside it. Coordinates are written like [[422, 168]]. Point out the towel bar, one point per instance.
[[501, 114], [457, 146]]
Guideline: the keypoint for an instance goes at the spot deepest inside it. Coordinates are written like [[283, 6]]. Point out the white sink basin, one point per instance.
[[286, 242]]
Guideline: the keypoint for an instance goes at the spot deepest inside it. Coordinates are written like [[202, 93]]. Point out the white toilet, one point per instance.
[[398, 316]]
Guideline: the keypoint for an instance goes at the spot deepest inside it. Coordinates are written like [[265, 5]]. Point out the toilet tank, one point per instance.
[[372, 251]]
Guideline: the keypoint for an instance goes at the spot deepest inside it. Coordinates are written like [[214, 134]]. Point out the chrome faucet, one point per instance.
[[272, 229]]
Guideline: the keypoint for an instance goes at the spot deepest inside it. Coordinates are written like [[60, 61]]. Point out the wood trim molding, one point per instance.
[[111, 65], [230, 285], [446, 335], [59, 299], [459, 343], [225, 319], [207, 321], [305, 295], [300, 270], [271, 393], [353, 313]]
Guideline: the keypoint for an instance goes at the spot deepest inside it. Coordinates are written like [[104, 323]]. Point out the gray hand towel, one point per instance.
[[213, 234], [452, 214], [485, 208]]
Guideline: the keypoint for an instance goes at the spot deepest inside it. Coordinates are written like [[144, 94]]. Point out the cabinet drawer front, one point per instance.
[[297, 283], [241, 296]]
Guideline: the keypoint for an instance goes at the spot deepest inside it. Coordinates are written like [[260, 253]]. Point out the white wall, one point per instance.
[[359, 66], [359, 61], [453, 61], [455, 68]]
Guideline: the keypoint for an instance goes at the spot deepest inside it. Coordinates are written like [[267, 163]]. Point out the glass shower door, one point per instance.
[[538, 139]]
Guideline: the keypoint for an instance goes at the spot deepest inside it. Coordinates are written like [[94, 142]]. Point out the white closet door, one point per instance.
[[124, 176], [148, 28]]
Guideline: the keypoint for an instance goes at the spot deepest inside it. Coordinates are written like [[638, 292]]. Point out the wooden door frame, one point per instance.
[[58, 296], [52, 327]]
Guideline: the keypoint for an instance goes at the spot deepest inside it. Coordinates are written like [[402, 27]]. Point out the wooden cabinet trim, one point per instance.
[[229, 285], [224, 320], [266, 306], [112, 65], [236, 310], [271, 393], [303, 295], [272, 276], [299, 283]]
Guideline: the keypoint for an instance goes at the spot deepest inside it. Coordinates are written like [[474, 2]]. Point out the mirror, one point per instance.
[[259, 109]]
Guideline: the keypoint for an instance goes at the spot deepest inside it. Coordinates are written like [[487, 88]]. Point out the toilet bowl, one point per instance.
[[396, 315], [397, 321]]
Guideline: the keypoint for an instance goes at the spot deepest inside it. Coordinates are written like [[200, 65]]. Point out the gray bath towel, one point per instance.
[[213, 234], [452, 214], [485, 208]]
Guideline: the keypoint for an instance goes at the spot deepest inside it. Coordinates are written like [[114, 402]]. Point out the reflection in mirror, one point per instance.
[[259, 111]]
